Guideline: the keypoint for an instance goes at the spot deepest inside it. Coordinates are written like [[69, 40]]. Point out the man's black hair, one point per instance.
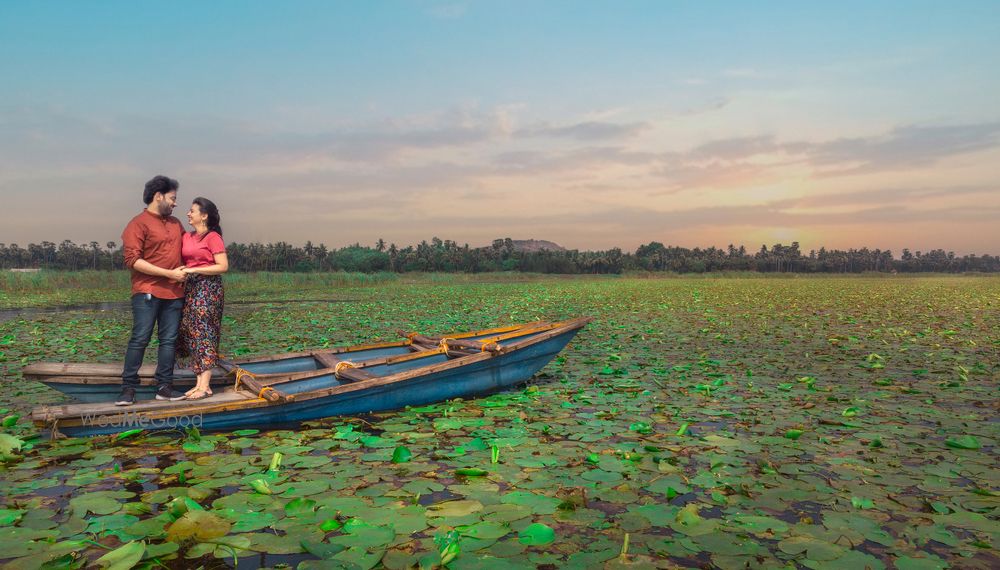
[[161, 184]]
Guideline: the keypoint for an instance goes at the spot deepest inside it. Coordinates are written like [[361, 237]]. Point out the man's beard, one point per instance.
[[165, 210]]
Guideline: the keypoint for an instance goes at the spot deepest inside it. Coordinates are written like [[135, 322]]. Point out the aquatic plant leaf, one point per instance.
[[537, 534], [160, 550], [261, 486], [814, 549], [181, 505], [539, 504], [274, 544], [364, 536], [360, 558], [862, 503], [10, 516], [926, 562], [300, 507], [123, 557], [98, 502], [485, 530], [321, 550], [962, 442], [198, 525], [199, 446], [455, 508], [9, 446], [330, 525], [401, 455], [129, 433]]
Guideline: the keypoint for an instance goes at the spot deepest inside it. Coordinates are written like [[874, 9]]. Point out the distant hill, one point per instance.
[[531, 245]]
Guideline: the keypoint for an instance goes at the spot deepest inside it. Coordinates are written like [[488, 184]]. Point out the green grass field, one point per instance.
[[698, 422]]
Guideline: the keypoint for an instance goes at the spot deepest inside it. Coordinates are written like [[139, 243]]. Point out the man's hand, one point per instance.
[[177, 274]]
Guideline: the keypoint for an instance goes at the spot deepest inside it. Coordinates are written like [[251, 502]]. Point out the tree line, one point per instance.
[[505, 255]]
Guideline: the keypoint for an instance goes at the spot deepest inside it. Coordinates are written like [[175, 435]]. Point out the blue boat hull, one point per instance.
[[472, 379]]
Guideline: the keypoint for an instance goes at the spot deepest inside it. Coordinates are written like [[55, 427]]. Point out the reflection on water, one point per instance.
[[121, 306]]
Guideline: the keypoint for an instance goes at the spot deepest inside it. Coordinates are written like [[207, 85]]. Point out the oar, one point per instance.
[[248, 380]]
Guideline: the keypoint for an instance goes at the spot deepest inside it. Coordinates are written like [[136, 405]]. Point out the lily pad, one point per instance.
[[198, 525], [123, 557], [963, 442], [537, 534]]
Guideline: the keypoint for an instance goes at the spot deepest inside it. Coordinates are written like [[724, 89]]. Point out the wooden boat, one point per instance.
[[101, 382], [476, 365]]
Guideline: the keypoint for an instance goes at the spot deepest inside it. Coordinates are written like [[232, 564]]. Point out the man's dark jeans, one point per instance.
[[148, 311]]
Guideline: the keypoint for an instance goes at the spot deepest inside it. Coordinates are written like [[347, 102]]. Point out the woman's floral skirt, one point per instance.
[[201, 322]]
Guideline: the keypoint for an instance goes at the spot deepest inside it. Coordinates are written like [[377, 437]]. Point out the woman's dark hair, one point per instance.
[[208, 208], [161, 184]]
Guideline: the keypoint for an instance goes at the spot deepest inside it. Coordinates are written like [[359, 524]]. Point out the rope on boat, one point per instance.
[[240, 375], [265, 390], [490, 345], [343, 364], [444, 343]]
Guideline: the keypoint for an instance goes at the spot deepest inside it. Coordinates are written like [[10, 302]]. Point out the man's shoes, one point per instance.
[[127, 397], [165, 392]]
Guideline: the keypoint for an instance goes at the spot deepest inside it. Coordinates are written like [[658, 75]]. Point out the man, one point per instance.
[[152, 245]]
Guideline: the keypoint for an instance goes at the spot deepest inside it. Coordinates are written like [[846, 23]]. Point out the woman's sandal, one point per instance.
[[193, 390], [195, 395]]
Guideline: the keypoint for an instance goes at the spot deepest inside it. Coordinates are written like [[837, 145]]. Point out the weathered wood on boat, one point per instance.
[[264, 391], [250, 382], [327, 360], [352, 374]]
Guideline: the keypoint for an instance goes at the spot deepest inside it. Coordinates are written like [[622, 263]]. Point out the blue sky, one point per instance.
[[592, 124]]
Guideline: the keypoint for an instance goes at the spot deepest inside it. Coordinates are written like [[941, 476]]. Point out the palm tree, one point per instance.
[[111, 257], [95, 247]]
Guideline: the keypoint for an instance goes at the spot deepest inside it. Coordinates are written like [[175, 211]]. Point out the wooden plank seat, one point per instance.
[[342, 372]]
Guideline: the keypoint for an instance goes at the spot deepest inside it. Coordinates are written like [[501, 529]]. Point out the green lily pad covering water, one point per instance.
[[762, 423]]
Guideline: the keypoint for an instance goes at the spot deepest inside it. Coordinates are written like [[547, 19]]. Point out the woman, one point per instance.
[[204, 256]]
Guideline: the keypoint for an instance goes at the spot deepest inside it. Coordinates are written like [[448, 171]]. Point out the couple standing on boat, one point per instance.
[[176, 286]]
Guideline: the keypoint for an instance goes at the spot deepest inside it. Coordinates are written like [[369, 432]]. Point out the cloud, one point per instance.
[[551, 162], [586, 131], [746, 161], [903, 147], [710, 107], [733, 149], [419, 171], [59, 141], [892, 196]]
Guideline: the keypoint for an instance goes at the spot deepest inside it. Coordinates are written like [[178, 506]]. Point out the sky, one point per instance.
[[592, 124]]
